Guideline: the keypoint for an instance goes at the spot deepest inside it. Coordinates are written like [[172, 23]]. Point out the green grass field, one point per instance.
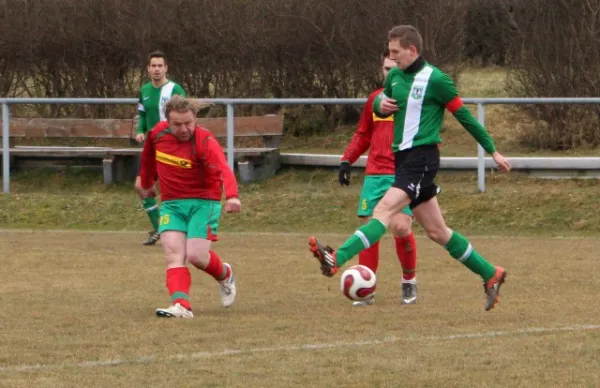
[[311, 200], [78, 306], [78, 310]]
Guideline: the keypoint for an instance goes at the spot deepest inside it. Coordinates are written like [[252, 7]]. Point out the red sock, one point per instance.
[[406, 248], [215, 267], [370, 257], [179, 281]]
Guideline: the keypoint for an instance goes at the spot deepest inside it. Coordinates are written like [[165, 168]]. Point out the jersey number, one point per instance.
[[164, 219]]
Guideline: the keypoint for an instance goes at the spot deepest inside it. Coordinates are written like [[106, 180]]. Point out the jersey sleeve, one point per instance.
[[141, 127], [177, 89], [148, 163], [387, 92], [446, 94], [216, 164], [361, 141]]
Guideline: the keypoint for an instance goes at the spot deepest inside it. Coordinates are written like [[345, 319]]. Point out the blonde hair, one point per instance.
[[407, 35], [181, 104]]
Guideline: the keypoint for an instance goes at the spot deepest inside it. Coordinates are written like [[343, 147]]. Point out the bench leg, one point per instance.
[[272, 164], [272, 141], [107, 169], [125, 168], [247, 171], [12, 162]]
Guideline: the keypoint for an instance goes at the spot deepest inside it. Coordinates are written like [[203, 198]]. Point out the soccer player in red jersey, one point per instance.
[[376, 135], [192, 173]]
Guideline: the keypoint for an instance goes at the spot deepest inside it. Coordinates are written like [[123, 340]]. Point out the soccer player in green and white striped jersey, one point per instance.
[[417, 94], [151, 110]]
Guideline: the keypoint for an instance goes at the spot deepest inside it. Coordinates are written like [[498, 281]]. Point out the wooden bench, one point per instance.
[[119, 163]]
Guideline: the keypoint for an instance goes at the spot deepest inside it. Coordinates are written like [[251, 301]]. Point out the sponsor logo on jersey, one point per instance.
[[173, 160]]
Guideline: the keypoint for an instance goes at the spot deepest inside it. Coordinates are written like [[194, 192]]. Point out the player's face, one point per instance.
[[182, 124], [404, 57], [388, 65], [157, 69]]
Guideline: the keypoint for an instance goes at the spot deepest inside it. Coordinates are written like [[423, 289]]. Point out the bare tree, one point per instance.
[[560, 57]]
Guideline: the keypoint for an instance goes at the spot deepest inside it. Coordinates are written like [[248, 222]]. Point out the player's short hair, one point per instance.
[[157, 54], [407, 35], [181, 104]]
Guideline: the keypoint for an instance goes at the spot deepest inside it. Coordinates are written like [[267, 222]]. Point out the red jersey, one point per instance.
[[191, 169], [377, 134]]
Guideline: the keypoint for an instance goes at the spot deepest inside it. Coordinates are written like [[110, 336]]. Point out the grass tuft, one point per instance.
[[311, 200]]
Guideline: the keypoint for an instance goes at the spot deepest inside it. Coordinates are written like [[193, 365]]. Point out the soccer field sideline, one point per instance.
[[297, 348]]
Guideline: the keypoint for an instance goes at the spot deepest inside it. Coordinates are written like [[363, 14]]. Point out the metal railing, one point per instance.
[[230, 103]]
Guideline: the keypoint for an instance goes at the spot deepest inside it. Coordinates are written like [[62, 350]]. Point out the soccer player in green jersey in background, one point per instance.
[[151, 110], [417, 94]]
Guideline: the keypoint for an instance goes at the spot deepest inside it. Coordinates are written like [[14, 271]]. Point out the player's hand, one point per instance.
[[501, 161], [344, 174], [388, 106], [151, 192], [144, 193], [140, 137], [148, 193], [233, 205]]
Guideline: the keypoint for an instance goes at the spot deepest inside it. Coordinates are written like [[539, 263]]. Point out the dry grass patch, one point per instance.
[[75, 301]]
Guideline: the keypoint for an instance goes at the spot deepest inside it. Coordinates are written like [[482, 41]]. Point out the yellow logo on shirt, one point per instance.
[[173, 160], [389, 118]]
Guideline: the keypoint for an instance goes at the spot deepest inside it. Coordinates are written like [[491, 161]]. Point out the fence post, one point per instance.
[[5, 149], [481, 151], [230, 131]]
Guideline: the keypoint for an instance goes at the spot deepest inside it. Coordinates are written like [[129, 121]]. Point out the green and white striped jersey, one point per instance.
[[422, 93], [151, 105]]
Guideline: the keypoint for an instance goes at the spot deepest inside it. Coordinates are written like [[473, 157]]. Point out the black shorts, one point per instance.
[[416, 169]]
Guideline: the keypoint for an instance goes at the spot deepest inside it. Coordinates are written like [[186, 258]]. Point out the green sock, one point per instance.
[[151, 208], [461, 249], [363, 238]]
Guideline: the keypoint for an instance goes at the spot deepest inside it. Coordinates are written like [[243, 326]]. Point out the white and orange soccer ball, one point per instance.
[[358, 283]]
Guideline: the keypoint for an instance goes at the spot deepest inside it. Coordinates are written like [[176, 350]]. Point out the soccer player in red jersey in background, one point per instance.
[[376, 135], [192, 173]]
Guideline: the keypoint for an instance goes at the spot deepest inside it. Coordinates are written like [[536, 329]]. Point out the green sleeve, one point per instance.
[[445, 92], [178, 90], [444, 88], [141, 127], [466, 119], [387, 91]]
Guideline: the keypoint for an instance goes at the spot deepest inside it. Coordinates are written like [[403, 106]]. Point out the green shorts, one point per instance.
[[373, 190], [198, 218]]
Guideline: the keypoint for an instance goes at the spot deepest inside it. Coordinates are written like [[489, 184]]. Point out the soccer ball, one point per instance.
[[358, 283]]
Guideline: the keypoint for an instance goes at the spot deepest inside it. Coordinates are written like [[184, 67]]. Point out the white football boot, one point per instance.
[[409, 291], [174, 311], [361, 303], [227, 289]]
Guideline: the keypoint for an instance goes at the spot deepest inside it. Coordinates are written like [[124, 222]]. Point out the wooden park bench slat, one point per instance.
[[118, 162]]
